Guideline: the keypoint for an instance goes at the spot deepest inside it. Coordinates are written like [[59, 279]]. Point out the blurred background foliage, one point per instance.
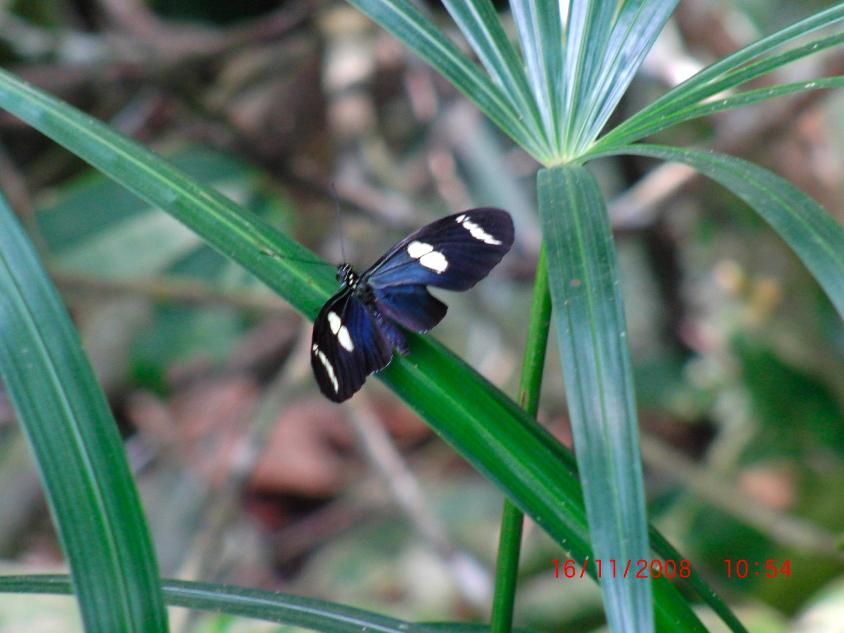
[[250, 477]]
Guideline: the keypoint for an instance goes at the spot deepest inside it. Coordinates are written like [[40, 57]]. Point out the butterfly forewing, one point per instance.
[[454, 253], [347, 345]]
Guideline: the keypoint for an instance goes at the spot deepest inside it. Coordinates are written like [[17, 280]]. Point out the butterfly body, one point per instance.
[[358, 328]]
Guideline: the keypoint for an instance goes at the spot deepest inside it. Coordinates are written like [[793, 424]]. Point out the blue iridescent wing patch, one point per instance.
[[412, 307]]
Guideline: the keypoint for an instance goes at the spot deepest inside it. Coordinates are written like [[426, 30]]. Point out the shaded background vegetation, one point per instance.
[[250, 477]]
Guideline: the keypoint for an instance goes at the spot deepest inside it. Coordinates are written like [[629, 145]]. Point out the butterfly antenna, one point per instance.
[[316, 262], [339, 222]]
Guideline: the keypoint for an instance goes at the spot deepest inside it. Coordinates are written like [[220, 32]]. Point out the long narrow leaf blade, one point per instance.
[[587, 37], [755, 50], [270, 606], [75, 441], [420, 35], [816, 238], [632, 37], [541, 35], [257, 604], [479, 23], [595, 357], [730, 71], [741, 100], [485, 426], [649, 121]]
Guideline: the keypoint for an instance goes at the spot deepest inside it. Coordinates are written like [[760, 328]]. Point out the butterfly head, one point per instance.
[[347, 276]]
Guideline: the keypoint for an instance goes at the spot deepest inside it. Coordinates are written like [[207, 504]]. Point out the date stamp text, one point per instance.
[[668, 568]]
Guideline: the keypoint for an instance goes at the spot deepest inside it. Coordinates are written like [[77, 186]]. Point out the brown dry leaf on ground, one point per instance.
[[305, 454], [312, 450], [308, 452], [403, 425], [203, 425]]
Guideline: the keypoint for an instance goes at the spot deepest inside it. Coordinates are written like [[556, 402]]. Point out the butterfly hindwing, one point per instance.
[[412, 306], [454, 252], [347, 345]]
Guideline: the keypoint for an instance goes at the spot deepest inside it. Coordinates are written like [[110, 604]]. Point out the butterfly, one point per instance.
[[358, 328]]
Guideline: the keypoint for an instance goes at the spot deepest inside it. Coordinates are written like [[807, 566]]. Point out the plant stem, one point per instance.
[[509, 545]]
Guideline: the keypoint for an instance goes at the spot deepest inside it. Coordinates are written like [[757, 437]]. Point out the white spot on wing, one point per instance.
[[477, 231], [460, 218], [329, 369], [427, 256], [345, 339], [418, 249], [435, 260], [340, 331]]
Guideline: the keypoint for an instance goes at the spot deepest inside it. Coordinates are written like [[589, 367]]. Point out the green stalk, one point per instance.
[[509, 545]]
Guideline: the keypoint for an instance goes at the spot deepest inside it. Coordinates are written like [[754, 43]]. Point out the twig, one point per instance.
[[472, 580], [181, 41], [13, 185], [209, 558], [191, 292], [28, 41]]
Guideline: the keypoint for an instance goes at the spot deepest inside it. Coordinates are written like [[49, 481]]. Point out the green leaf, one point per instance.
[[816, 21], [258, 604], [419, 34], [485, 426], [591, 329], [153, 238], [454, 627], [481, 27], [67, 421], [729, 72], [587, 37], [84, 208], [208, 213], [816, 238], [652, 125], [632, 37], [271, 606], [540, 30]]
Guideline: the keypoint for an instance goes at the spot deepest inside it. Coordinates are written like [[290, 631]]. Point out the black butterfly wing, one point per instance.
[[454, 253], [348, 344]]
